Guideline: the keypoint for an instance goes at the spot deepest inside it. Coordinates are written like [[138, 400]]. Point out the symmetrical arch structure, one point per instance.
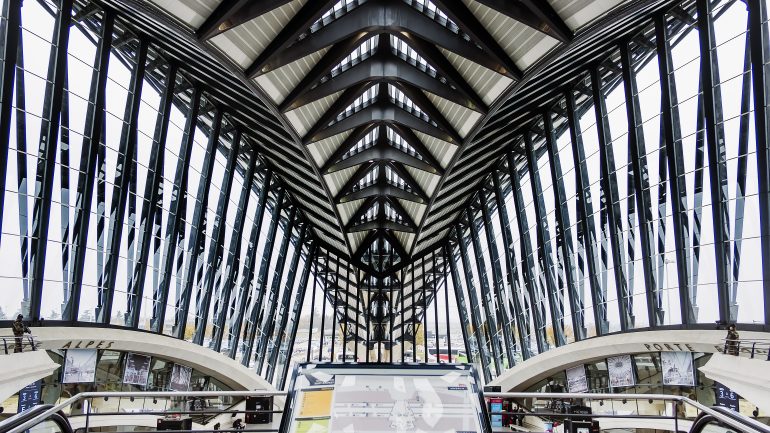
[[566, 169]]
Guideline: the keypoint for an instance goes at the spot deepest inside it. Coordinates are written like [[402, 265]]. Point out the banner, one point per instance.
[[180, 378], [79, 366], [137, 369], [29, 396], [576, 379], [725, 397], [677, 368], [621, 371]]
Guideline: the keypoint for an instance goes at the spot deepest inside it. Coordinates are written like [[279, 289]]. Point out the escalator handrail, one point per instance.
[[32, 421], [35, 415]]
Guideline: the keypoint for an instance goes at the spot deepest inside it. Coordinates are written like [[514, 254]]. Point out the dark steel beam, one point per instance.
[[536, 14], [10, 35], [229, 272], [93, 133], [195, 244], [554, 295], [46, 163], [152, 202], [411, 138], [379, 189], [374, 225], [758, 35], [232, 13], [176, 210], [715, 143], [564, 246], [382, 151], [609, 205]]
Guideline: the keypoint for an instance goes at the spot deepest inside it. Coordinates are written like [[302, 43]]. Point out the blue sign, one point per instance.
[[725, 397], [496, 405], [29, 396]]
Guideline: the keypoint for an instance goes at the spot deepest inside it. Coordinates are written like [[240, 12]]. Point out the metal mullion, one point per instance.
[[198, 225], [272, 300], [358, 316], [518, 311], [244, 294], [673, 139], [470, 289], [296, 312], [610, 203], [760, 52], [585, 217], [260, 287], [214, 260], [92, 135], [555, 296], [564, 232], [715, 142], [527, 257], [222, 303], [435, 302], [403, 308], [379, 310], [461, 307], [288, 291], [10, 37], [336, 296], [638, 156], [46, 163], [497, 277], [312, 309], [64, 178], [153, 188], [424, 313], [128, 140], [446, 309], [485, 290], [179, 190], [323, 308], [742, 167], [413, 319], [21, 169]]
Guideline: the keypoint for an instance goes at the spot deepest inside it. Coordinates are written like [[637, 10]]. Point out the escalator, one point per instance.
[[35, 419]]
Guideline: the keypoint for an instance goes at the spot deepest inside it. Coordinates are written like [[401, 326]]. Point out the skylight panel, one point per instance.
[[364, 143], [361, 53], [401, 144], [339, 9], [410, 55], [403, 101], [363, 101]]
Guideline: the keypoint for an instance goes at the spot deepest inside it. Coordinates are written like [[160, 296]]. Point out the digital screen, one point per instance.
[[355, 399]]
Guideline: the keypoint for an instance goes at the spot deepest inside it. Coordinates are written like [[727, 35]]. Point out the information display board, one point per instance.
[[385, 398]]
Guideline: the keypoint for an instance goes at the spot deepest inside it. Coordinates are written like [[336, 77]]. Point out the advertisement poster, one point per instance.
[[180, 378], [29, 396], [576, 379], [137, 369], [621, 371], [677, 368], [725, 397], [79, 366], [496, 405]]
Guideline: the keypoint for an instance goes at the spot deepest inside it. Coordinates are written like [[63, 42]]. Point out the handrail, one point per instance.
[[27, 340], [733, 346], [730, 418], [37, 413], [40, 417]]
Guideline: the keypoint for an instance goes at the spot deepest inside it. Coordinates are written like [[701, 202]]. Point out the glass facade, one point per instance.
[[135, 197]]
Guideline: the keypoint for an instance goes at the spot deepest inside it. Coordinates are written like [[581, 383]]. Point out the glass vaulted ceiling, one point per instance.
[[378, 180]]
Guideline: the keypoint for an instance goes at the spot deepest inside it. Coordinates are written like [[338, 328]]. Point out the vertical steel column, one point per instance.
[[402, 301], [518, 310], [334, 304], [245, 294], [230, 270], [536, 303], [446, 309], [288, 289], [250, 331], [545, 256], [715, 142], [267, 316], [478, 327], [152, 190], [22, 175], [296, 312], [93, 133], [314, 259], [413, 319], [462, 309], [638, 155], [178, 192], [194, 245], [46, 163], [123, 172], [497, 278], [760, 52], [610, 196], [214, 259], [672, 135], [434, 283], [345, 316], [585, 217], [564, 247], [10, 35], [323, 308], [424, 313], [486, 292]]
